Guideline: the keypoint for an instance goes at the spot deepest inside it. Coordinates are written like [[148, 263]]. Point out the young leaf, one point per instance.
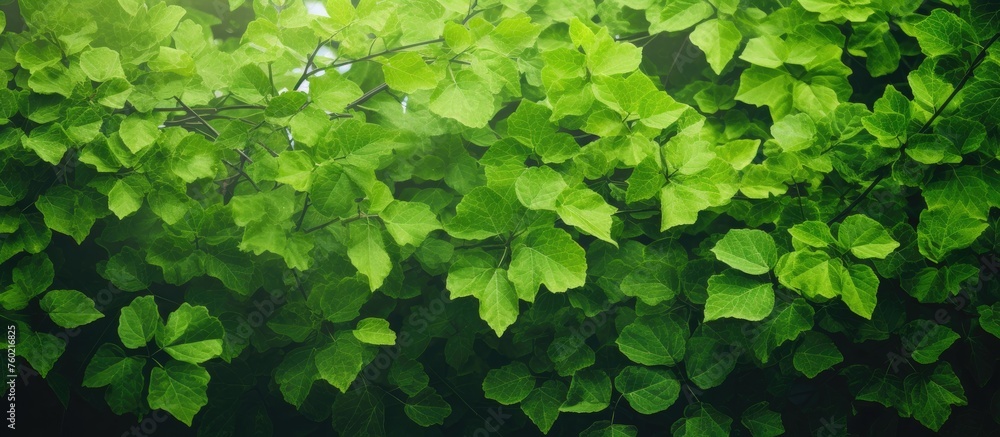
[[509, 384], [589, 392], [180, 389], [409, 222], [930, 395], [816, 353], [653, 340], [587, 211], [719, 40], [69, 308], [191, 334], [747, 250], [542, 404], [549, 257], [648, 390], [427, 408], [761, 421], [366, 251], [340, 361], [374, 331], [731, 295], [866, 238]]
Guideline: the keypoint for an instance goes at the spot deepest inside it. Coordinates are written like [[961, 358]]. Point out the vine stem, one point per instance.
[[375, 55], [883, 170]]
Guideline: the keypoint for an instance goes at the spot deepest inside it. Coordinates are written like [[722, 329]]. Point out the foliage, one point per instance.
[[396, 217]]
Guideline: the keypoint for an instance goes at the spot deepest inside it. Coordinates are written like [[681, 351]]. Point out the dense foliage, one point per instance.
[[444, 217]]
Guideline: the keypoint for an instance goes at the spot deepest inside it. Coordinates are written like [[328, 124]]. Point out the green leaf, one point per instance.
[[589, 392], [180, 389], [332, 191], [542, 404], [31, 276], [333, 92], [944, 230], [866, 238], [125, 197], [408, 72], [509, 384], [940, 33], [870, 385], [69, 211], [785, 324], [653, 340], [604, 428], [683, 197], [366, 251], [702, 420], [859, 286], [546, 256], [587, 211], [761, 421], [110, 366], [286, 104], [989, 318], [539, 188], [340, 361], [813, 274], [296, 374], [648, 390], [530, 125], [731, 295], [816, 353], [374, 331], [812, 234], [607, 56], [191, 334], [481, 214], [48, 142], [476, 275], [677, 15], [708, 361], [926, 340], [38, 54], [747, 250], [719, 40], [427, 408], [409, 222], [890, 119], [101, 64], [138, 133], [41, 350], [69, 308], [831, 10], [294, 168], [794, 132], [359, 412], [464, 98], [645, 182], [931, 395]]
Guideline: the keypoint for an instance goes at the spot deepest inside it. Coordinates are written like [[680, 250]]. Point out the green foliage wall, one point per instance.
[[454, 217]]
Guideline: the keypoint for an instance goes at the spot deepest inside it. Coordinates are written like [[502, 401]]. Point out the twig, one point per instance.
[[883, 169], [242, 173]]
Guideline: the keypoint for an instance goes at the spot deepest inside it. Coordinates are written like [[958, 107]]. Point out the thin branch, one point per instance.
[[309, 64], [242, 173], [366, 96], [883, 170], [302, 217], [198, 117], [375, 55]]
